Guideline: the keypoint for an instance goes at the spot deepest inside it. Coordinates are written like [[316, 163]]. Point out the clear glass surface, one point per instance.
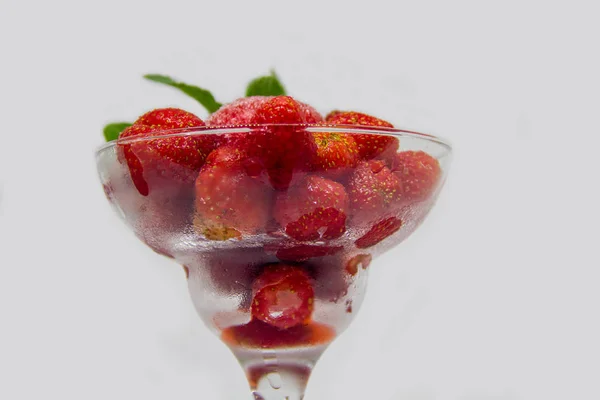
[[219, 224]]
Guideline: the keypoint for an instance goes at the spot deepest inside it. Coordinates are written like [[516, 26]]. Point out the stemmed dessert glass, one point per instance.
[[276, 293]]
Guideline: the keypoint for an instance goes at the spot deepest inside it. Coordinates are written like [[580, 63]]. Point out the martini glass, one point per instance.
[[230, 273]]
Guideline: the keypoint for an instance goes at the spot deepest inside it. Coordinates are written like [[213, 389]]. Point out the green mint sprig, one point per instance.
[[268, 85], [112, 131], [202, 96]]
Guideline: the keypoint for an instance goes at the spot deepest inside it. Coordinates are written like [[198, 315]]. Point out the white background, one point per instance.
[[495, 297]]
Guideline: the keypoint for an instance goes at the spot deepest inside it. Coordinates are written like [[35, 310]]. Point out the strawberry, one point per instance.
[[337, 117], [229, 202], [282, 149], [238, 112], [313, 208], [287, 148], [419, 173], [242, 112], [169, 118], [282, 296], [176, 158], [311, 116], [378, 232], [369, 145], [374, 192], [308, 225], [336, 153], [136, 168], [279, 110]]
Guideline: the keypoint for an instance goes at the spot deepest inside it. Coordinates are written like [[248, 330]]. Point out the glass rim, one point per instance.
[[228, 129]]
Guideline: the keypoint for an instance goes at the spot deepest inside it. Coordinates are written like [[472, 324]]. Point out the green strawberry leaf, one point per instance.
[[265, 86], [203, 96], [112, 131]]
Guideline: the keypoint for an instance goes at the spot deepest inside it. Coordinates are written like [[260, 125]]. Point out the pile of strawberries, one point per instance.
[[311, 185], [276, 177]]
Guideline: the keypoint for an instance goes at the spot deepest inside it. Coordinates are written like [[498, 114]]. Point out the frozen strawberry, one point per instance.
[[336, 153], [175, 158], [279, 110], [229, 202], [419, 173], [355, 118], [136, 168], [374, 192], [238, 112], [333, 114], [378, 232], [285, 149], [360, 260], [311, 116], [282, 296], [169, 118], [331, 220], [313, 208], [282, 149], [243, 112], [369, 145]]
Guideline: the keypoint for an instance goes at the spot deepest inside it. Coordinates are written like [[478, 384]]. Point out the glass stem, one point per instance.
[[278, 383], [278, 374]]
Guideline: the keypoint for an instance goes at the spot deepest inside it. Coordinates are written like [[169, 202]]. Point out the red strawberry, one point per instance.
[[336, 153], [242, 112], [378, 232], [419, 173], [314, 207], [282, 296], [337, 117], [169, 118], [285, 149], [176, 158], [238, 112], [136, 168], [279, 110], [282, 149], [229, 202], [369, 145], [308, 225], [311, 116], [374, 192]]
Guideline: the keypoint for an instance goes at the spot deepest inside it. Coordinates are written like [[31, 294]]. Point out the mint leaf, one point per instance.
[[112, 131], [203, 96], [265, 86]]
